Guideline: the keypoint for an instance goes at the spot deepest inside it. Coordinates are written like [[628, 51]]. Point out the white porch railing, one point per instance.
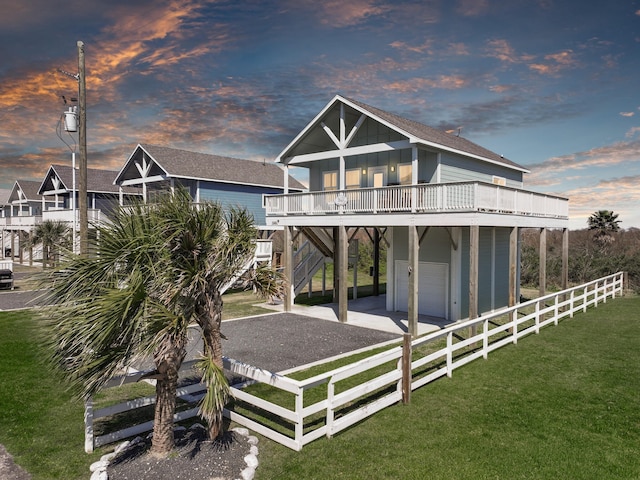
[[66, 215], [23, 221], [344, 405], [421, 198]]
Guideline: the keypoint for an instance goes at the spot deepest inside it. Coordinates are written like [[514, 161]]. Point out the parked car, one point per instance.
[[6, 274]]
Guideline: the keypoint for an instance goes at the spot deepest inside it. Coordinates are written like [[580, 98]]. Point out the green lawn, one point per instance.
[[562, 404]]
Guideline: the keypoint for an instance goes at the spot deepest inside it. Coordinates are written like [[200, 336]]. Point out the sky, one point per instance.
[[550, 84]]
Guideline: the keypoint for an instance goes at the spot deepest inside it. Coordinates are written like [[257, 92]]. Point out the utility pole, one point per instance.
[[82, 139]]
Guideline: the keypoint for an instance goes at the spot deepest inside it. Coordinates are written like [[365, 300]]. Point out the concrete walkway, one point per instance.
[[369, 312]]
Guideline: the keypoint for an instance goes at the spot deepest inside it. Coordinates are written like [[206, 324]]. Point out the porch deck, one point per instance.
[[422, 198]]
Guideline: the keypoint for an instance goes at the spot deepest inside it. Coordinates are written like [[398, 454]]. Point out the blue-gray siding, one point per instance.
[[237, 195]]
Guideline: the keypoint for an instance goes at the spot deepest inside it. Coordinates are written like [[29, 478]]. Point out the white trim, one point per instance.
[[349, 151]]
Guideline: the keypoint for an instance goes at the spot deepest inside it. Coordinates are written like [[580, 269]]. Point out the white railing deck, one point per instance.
[[344, 405], [421, 198]]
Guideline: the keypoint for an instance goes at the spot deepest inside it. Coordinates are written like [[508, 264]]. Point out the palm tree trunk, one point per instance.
[[212, 338], [168, 361]]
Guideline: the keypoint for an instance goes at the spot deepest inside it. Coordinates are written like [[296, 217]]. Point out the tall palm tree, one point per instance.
[[605, 223], [53, 235], [158, 269]]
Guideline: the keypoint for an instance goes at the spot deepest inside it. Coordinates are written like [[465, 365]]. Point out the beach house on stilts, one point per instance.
[[448, 210]]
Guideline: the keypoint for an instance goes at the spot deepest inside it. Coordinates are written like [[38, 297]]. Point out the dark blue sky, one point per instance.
[[550, 84]]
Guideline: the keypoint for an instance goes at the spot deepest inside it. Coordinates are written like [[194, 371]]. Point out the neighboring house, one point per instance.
[[229, 181], [59, 185], [449, 210], [21, 213]]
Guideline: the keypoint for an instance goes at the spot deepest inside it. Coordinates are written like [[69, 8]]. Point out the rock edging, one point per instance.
[[98, 469]]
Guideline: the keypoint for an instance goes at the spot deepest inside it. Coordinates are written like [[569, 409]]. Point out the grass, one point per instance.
[[40, 422], [562, 404]]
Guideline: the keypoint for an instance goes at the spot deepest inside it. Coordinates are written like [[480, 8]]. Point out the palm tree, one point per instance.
[[605, 223], [159, 268], [53, 235]]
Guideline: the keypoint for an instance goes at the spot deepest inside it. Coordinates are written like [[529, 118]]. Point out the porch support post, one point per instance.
[[343, 284], [414, 246], [513, 266], [288, 268], [376, 262], [542, 280], [474, 253], [565, 258]]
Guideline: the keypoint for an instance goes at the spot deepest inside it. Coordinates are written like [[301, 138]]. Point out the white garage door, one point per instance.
[[433, 288]]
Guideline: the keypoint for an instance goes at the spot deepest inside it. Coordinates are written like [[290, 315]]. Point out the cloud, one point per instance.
[[627, 114], [605, 156], [415, 85], [620, 192], [336, 13], [472, 8], [503, 51], [555, 63]]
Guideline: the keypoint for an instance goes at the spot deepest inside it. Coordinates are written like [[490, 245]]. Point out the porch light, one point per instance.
[[364, 171], [393, 168]]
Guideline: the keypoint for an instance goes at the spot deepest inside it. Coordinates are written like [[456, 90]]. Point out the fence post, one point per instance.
[[88, 425], [571, 306], [449, 354], [406, 368], [330, 395]]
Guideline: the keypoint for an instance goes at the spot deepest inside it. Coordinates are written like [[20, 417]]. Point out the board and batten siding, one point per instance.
[[454, 168], [493, 270], [245, 196]]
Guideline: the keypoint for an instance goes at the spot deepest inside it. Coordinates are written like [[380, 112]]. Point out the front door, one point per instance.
[[377, 176]]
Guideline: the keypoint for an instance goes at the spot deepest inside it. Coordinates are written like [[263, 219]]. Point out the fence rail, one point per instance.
[[345, 399]]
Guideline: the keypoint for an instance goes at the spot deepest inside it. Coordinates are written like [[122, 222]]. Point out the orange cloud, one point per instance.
[[556, 63], [447, 82]]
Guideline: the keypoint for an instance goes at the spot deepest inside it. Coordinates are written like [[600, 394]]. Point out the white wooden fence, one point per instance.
[[344, 404]]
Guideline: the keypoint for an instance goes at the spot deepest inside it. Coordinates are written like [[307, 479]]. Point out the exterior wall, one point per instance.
[[435, 248], [427, 166], [238, 196], [493, 270], [454, 168]]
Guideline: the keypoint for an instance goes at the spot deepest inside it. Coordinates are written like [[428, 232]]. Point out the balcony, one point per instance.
[[21, 222], [66, 215], [445, 198]]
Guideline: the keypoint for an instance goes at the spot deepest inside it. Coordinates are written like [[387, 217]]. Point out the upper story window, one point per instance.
[[330, 179], [352, 179], [404, 174]]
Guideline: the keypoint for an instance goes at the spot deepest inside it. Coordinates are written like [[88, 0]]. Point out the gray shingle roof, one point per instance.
[[203, 166], [29, 188], [432, 135], [98, 181]]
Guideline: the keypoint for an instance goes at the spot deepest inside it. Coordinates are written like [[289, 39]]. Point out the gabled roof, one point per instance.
[[98, 181], [28, 187], [176, 163], [416, 132], [4, 196]]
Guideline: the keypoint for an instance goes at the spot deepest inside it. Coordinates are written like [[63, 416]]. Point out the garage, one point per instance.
[[433, 288]]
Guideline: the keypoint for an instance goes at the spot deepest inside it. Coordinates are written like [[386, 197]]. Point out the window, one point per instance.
[[330, 181], [353, 178], [404, 174]]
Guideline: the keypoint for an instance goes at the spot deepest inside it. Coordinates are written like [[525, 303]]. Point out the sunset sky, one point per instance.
[[549, 84]]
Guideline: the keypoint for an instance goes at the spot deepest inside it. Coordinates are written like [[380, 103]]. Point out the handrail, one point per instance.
[[423, 198]]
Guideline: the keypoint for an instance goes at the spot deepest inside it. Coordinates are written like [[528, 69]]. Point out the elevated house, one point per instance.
[[228, 181], [22, 211], [448, 209], [59, 190]]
